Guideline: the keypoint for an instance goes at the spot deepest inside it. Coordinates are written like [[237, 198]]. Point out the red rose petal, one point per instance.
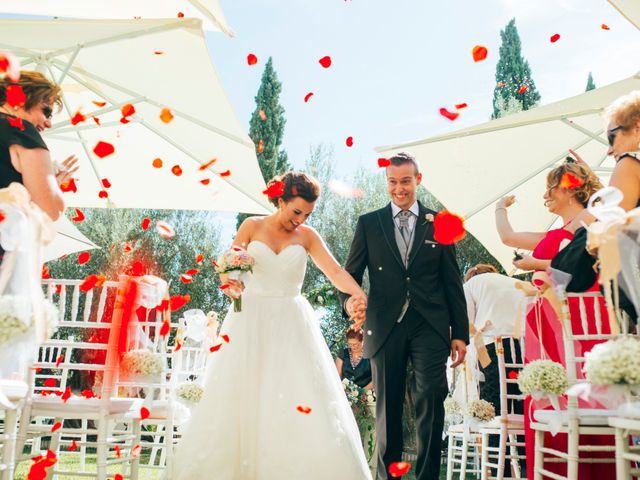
[[225, 337], [73, 447], [127, 248], [569, 180], [274, 189], [128, 110], [158, 52], [157, 163], [165, 115], [193, 271], [180, 15], [205, 181], [99, 104], [95, 119], [523, 88], [604, 26], [215, 348], [165, 230], [383, 162], [66, 395], [106, 183], [252, 59], [118, 451], [447, 114], [513, 374], [16, 123], [88, 394], [92, 281], [199, 259], [103, 194], [145, 223], [460, 106], [70, 186], [479, 53], [165, 329], [349, 142], [448, 228], [325, 61], [15, 96], [176, 170], [56, 426], [144, 413], [304, 409], [307, 97], [78, 118], [59, 360], [103, 149], [83, 258], [555, 37], [226, 173], [184, 278], [399, 469], [178, 301], [204, 166], [50, 382], [45, 272], [79, 216]]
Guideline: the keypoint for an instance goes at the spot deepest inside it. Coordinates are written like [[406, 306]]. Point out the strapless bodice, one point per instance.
[[276, 275]]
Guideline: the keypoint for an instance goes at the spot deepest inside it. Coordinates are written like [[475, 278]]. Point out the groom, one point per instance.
[[416, 311]]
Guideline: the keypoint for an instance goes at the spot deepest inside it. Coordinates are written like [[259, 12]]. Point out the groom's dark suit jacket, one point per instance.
[[432, 279]]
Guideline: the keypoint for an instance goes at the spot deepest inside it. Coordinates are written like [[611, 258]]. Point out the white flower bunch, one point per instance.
[[190, 391], [15, 316], [451, 406], [615, 362], [141, 362], [481, 409], [371, 397], [543, 376], [352, 390]]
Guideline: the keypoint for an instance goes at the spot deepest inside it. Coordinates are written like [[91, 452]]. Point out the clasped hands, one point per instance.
[[356, 307]]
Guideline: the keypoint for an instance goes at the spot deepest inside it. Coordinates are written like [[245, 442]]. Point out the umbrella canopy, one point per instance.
[[148, 65], [470, 169], [630, 9], [209, 11], [67, 240]]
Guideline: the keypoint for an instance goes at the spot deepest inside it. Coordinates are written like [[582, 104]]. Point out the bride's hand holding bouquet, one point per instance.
[[233, 267]]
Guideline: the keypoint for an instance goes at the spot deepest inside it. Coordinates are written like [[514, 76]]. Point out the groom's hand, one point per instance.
[[458, 352]]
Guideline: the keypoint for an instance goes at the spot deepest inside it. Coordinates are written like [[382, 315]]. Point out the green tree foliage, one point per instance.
[[123, 241], [513, 73], [591, 85], [266, 128]]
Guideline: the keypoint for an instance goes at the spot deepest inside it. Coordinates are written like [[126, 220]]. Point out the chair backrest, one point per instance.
[[508, 372], [190, 359]]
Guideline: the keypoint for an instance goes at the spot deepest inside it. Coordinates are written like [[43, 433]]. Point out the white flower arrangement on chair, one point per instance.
[[16, 320], [615, 362], [191, 392], [543, 378], [141, 363], [481, 410], [452, 406]]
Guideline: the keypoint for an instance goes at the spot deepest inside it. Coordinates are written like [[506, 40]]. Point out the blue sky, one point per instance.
[[396, 63]]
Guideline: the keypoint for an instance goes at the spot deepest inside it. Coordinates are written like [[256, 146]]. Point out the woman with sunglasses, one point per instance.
[[542, 338], [24, 156]]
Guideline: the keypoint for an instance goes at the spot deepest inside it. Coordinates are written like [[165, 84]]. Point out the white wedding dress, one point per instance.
[[247, 425]]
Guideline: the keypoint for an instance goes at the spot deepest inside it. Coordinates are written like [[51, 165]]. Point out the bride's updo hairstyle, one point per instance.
[[590, 182], [294, 184]]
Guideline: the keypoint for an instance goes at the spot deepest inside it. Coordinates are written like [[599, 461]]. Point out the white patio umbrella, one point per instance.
[[152, 65], [630, 9], [209, 11], [67, 241], [470, 169]]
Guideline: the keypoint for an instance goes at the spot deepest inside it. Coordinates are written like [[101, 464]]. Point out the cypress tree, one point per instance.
[[591, 85], [513, 74], [266, 128]]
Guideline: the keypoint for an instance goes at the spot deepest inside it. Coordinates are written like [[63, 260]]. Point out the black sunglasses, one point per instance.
[[48, 111], [611, 134]]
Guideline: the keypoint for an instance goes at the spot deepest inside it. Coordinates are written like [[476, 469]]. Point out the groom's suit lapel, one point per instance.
[[421, 229], [385, 217]]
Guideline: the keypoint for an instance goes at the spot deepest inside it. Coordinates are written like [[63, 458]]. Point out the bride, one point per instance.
[[273, 406]]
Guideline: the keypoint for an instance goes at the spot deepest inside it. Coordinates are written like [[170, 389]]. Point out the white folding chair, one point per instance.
[[574, 421], [508, 426], [16, 392], [85, 322]]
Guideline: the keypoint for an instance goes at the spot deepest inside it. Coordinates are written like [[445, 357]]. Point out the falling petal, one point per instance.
[[193, 271], [128, 110], [145, 223], [325, 61], [103, 194], [399, 469], [66, 395], [70, 186], [59, 360], [166, 116], [103, 149], [165, 329], [99, 104], [226, 173], [178, 301], [144, 413], [204, 166], [74, 446], [83, 258], [176, 170], [56, 426], [304, 409], [78, 118], [604, 26], [460, 106], [215, 348], [205, 181], [79, 216], [448, 228], [555, 37], [50, 382], [383, 162], [349, 142], [252, 59], [199, 259], [106, 183], [479, 53], [447, 114], [95, 119], [523, 88], [307, 97], [165, 230], [184, 278]]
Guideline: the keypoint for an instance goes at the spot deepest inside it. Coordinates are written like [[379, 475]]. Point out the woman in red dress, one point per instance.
[[543, 337]]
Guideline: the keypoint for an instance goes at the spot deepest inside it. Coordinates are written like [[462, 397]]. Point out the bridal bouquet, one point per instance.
[[359, 399], [615, 362], [481, 409], [236, 263], [141, 363], [543, 378]]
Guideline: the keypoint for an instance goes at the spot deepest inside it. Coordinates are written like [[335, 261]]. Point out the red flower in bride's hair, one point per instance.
[[448, 228], [569, 180], [399, 469], [274, 189]]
